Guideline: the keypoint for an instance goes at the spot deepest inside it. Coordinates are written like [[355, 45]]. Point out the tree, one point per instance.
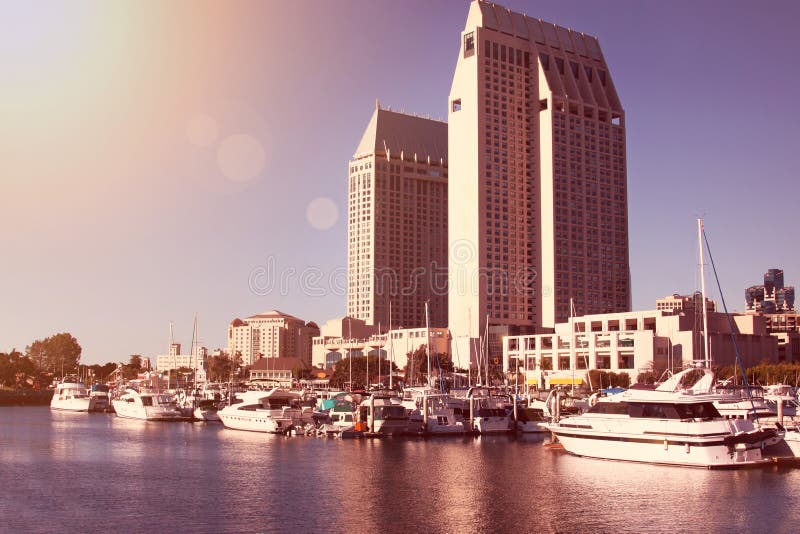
[[220, 368], [135, 361], [17, 370], [341, 375], [417, 366], [609, 379], [59, 354]]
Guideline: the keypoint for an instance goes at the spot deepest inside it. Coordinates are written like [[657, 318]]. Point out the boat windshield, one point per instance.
[[390, 412], [658, 410]]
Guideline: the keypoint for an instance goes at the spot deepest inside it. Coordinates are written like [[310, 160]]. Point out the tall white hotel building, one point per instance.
[[537, 210], [397, 222]]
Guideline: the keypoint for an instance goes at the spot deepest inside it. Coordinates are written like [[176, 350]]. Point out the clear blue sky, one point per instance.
[[156, 157]]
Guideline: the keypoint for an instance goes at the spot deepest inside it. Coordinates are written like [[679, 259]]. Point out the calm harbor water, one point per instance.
[[64, 472]]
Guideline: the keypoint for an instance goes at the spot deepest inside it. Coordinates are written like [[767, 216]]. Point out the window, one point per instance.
[[456, 105], [545, 60], [469, 44]]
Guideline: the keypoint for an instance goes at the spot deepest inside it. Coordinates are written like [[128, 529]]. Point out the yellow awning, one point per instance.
[[561, 381]]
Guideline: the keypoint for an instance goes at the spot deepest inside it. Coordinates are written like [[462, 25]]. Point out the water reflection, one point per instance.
[[136, 476]]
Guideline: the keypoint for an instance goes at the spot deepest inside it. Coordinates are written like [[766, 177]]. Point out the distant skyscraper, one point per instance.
[[397, 222], [538, 182], [772, 297]]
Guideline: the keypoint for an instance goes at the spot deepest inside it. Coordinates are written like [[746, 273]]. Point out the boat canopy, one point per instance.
[[565, 381]]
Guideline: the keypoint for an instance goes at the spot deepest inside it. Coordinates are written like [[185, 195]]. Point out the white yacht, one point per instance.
[[206, 410], [382, 416], [490, 415], [436, 417], [668, 425], [531, 420], [147, 406], [71, 395], [792, 439], [100, 401], [275, 411]]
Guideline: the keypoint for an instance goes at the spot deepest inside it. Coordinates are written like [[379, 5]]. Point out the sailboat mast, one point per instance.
[[391, 347], [171, 342], [350, 350], [706, 354], [195, 344], [428, 341], [486, 354]]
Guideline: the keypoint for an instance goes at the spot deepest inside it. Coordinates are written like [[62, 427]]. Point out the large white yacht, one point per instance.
[[668, 425], [275, 411], [71, 395], [147, 406]]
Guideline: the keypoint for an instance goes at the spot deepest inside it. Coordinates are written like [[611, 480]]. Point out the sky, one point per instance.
[[164, 159]]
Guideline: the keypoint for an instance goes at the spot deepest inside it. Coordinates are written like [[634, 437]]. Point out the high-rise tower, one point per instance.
[[397, 222], [538, 185]]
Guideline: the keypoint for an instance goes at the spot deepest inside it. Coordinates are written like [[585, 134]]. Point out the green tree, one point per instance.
[[417, 366], [341, 375], [220, 368], [59, 354], [135, 361], [17, 370]]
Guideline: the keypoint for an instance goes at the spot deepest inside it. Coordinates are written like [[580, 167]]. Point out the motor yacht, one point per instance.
[[206, 410], [531, 420], [275, 411], [71, 395], [436, 416], [382, 416], [491, 416], [668, 425], [147, 406], [99, 399]]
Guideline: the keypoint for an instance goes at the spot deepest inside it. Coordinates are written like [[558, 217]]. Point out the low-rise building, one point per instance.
[[344, 337], [277, 372], [634, 343]]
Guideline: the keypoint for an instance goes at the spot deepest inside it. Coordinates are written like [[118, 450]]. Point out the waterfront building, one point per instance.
[[772, 297], [684, 303], [634, 343], [278, 372], [397, 222], [538, 181], [175, 360], [271, 334], [344, 337]]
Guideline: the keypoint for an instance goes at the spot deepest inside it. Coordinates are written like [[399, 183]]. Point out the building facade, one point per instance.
[[684, 303], [772, 297], [272, 334], [175, 360], [345, 337], [538, 180], [634, 343], [397, 222]]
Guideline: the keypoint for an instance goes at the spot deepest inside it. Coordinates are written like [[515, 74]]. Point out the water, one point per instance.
[[64, 472]]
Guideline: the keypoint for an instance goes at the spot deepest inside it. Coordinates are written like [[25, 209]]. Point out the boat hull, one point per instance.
[[492, 425], [70, 405], [668, 449], [255, 423], [128, 410]]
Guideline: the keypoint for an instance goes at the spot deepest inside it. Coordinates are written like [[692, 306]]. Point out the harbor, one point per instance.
[[80, 471]]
